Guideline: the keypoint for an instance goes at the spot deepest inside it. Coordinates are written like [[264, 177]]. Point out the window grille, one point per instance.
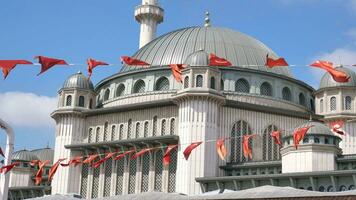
[[186, 82], [162, 84], [321, 105], [154, 128], [129, 129], [158, 171], [69, 100], [107, 94], [145, 130], [106, 132], [97, 136], [347, 103], [113, 132], [163, 127], [145, 172], [333, 103], [90, 135], [132, 176], [242, 86], [84, 182], [95, 188], [107, 179], [199, 81], [138, 126], [343, 188], [212, 83], [239, 129], [270, 149], [121, 132], [172, 171], [172, 126], [286, 94], [119, 175], [139, 86], [120, 90], [266, 89], [81, 101]]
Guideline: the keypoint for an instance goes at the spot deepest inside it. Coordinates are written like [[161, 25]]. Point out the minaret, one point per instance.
[[149, 14]]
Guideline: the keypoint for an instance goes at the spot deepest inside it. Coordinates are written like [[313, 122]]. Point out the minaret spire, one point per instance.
[[149, 14]]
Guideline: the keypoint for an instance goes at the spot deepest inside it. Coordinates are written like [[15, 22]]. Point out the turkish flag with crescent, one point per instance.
[[217, 61]]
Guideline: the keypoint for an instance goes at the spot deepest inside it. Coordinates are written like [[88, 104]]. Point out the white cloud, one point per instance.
[[340, 56], [27, 109]]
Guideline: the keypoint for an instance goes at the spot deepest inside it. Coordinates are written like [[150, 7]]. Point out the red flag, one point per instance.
[[190, 148], [140, 153], [118, 157], [177, 71], [92, 64], [54, 168], [107, 157], [246, 147], [221, 149], [47, 63], [41, 165], [270, 62], [90, 159], [276, 137], [8, 168], [337, 75], [336, 127], [132, 61], [2, 153], [8, 65], [74, 161], [299, 134], [217, 61], [166, 155]]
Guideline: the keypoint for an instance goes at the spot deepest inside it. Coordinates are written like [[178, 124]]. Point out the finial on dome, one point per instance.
[[310, 117], [207, 19], [79, 72]]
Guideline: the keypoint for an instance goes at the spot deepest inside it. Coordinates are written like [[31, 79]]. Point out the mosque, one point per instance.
[[146, 107]]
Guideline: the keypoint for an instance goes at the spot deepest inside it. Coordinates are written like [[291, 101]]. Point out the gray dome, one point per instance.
[[241, 50], [78, 80], [198, 58], [24, 155], [44, 154], [317, 128], [328, 81]]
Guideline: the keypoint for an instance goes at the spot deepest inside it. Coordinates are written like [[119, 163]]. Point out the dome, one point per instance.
[[328, 81], [317, 128], [198, 58], [44, 154], [241, 50], [24, 155], [78, 80]]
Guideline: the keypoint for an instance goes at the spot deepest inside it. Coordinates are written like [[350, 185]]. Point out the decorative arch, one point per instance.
[[321, 104], [162, 84], [163, 126], [302, 99], [348, 103], [139, 86], [199, 81], [286, 94], [333, 104], [81, 101], [97, 136], [154, 126], [120, 90], [129, 129], [239, 129], [266, 89], [106, 131], [242, 86], [212, 82], [186, 82], [172, 126], [270, 150], [107, 94], [138, 127], [69, 100]]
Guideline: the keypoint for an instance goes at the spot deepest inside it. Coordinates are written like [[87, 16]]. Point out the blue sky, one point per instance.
[[299, 30]]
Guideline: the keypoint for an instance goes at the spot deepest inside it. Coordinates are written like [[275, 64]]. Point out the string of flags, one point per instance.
[[46, 63], [298, 135]]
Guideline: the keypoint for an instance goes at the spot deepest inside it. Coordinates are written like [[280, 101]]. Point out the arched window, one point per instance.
[[352, 187], [332, 103], [242, 86], [129, 129], [270, 148], [239, 129], [199, 81], [121, 132], [154, 126], [97, 136], [306, 140], [106, 132], [312, 105], [171, 131], [145, 130], [81, 101], [138, 126], [316, 140], [113, 132], [90, 135], [343, 188], [91, 103], [347, 103], [120, 90], [139, 87], [286, 94], [310, 188], [163, 127], [321, 108], [107, 94], [321, 189], [158, 171], [301, 99], [186, 82], [162, 84], [222, 84], [69, 100], [212, 83], [266, 89]]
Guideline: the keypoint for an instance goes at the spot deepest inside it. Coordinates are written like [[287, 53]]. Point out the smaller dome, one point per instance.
[[328, 81], [24, 155], [44, 154], [317, 128], [78, 80], [198, 58]]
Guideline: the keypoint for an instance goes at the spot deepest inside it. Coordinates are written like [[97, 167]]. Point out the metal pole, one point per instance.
[[4, 178]]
